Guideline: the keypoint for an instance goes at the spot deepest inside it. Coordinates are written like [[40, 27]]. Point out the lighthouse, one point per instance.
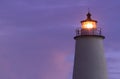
[[89, 60]]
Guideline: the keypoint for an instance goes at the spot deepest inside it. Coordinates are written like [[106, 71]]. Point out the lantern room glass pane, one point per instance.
[[89, 25]]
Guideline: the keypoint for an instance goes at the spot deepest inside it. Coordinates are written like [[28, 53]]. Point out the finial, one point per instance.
[[89, 14], [88, 10]]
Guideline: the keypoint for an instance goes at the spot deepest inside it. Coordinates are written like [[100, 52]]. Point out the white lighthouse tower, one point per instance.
[[89, 61]]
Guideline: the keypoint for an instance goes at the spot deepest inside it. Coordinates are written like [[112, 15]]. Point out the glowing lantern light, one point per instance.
[[89, 23]]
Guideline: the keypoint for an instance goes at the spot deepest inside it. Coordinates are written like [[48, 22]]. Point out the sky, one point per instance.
[[36, 36]]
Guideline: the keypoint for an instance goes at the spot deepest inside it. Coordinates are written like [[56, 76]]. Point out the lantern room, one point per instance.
[[89, 27], [89, 23]]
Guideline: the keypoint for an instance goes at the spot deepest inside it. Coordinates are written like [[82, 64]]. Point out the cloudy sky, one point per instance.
[[36, 36]]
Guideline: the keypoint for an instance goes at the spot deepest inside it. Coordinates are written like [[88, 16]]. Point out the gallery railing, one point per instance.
[[96, 31]]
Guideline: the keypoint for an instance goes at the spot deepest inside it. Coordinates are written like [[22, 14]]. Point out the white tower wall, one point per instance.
[[89, 62]]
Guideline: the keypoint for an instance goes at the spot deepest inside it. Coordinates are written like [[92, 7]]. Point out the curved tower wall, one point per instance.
[[89, 62]]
